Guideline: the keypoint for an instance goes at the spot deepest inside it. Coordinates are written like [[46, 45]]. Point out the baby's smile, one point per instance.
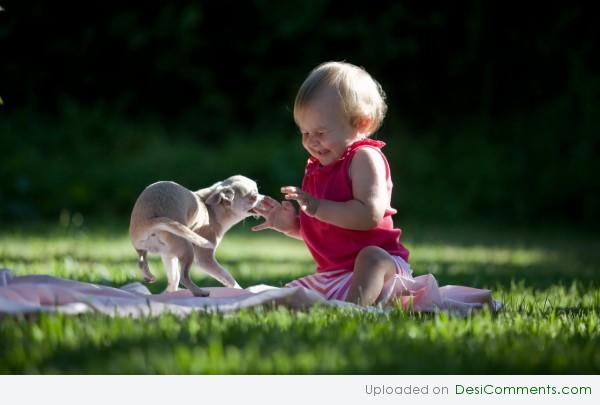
[[322, 155]]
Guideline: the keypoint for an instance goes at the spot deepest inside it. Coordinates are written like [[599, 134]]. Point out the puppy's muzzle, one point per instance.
[[259, 199]]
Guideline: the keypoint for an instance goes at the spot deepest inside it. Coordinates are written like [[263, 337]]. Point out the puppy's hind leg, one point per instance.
[[143, 265], [186, 266], [172, 268]]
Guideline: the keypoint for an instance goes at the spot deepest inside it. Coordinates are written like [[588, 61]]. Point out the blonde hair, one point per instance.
[[361, 96]]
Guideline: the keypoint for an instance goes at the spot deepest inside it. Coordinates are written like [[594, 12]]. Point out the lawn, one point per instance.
[[548, 280]]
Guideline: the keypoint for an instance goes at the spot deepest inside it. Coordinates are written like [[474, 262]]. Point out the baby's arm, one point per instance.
[[369, 189]]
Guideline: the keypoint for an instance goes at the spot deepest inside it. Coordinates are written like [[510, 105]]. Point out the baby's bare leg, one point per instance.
[[373, 267]]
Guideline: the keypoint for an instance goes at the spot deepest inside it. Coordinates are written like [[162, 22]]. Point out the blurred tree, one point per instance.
[[501, 98]]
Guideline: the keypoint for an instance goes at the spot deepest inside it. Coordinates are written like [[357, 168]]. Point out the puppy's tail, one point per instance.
[[174, 227]]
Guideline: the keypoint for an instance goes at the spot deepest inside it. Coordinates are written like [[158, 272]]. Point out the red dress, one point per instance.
[[333, 248]]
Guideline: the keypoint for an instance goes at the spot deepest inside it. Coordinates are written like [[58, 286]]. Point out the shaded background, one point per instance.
[[493, 107]]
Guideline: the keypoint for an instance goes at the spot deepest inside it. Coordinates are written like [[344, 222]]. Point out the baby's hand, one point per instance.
[[280, 217], [307, 202]]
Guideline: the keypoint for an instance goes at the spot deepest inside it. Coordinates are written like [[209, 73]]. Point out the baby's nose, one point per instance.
[[313, 141]]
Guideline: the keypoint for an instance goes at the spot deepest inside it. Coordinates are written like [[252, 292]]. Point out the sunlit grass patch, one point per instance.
[[549, 323]]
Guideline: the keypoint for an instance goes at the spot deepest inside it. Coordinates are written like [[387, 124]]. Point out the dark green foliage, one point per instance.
[[492, 111]]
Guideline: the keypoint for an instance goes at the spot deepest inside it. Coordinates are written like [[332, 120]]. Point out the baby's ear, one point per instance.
[[363, 124], [221, 194]]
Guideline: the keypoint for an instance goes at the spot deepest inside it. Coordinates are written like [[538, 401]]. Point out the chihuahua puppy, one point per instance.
[[186, 227]]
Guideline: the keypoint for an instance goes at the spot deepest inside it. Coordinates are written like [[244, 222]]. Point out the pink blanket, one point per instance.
[[41, 293]]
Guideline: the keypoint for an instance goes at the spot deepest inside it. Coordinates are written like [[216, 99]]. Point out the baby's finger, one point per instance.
[[260, 227], [269, 199], [296, 197], [262, 210], [290, 189], [268, 202]]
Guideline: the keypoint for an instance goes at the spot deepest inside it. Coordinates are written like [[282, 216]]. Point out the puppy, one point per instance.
[[184, 226]]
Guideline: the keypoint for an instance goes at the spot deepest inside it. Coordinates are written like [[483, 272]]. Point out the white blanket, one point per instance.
[[42, 293]]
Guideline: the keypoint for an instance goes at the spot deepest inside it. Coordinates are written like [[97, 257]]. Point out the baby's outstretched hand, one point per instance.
[[278, 216], [307, 202]]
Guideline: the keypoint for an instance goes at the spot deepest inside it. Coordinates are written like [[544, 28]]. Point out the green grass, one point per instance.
[[547, 279]]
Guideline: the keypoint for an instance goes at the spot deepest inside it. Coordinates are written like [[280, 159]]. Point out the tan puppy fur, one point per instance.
[[185, 227]]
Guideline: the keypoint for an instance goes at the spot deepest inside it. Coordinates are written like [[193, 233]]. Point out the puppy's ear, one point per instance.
[[227, 195], [221, 195]]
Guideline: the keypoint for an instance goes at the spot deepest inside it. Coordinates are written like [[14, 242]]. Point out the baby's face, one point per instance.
[[325, 129]]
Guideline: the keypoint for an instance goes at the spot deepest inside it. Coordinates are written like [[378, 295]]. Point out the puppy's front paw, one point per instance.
[[150, 279]]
